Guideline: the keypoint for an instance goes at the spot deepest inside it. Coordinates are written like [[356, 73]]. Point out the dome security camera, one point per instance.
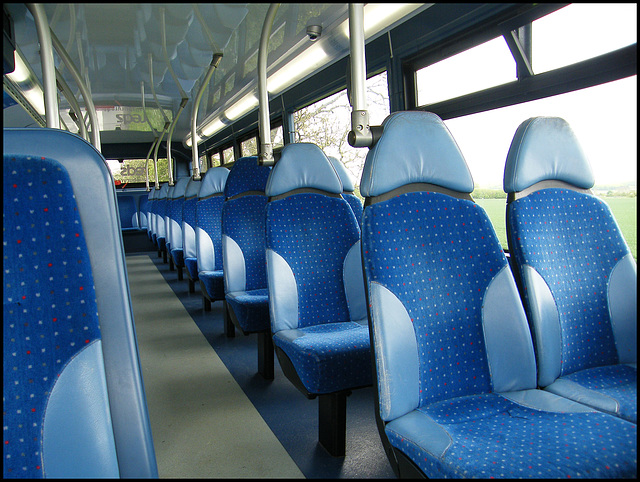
[[314, 32]]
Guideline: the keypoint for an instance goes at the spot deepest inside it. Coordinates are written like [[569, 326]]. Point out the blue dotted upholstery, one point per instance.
[[454, 359], [128, 213], [160, 205], [150, 214], [73, 401], [48, 294], [243, 228], [143, 210], [313, 233], [209, 233], [174, 221], [309, 237], [209, 220], [577, 274], [188, 239], [494, 437], [417, 243], [355, 204], [348, 188]]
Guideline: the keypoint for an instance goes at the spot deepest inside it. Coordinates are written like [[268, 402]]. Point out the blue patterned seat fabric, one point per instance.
[[142, 211], [189, 230], [243, 212], [454, 360], [578, 275], [348, 188], [151, 215], [209, 232], [174, 222], [128, 213], [64, 416], [310, 236], [160, 206]]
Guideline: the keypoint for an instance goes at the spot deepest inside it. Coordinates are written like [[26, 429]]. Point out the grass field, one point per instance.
[[624, 209]]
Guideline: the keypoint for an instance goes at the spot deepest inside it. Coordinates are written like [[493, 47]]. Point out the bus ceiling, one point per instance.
[[105, 52]]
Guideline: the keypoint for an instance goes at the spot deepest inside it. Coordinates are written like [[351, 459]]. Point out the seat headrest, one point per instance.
[[246, 175], [345, 176], [303, 165], [164, 190], [179, 188], [545, 149], [193, 188], [415, 147], [213, 181]]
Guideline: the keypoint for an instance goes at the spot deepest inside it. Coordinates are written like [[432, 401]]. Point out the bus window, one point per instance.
[[130, 171], [215, 159], [327, 123], [227, 155], [582, 31], [484, 140], [478, 68], [603, 117], [249, 147], [204, 164]]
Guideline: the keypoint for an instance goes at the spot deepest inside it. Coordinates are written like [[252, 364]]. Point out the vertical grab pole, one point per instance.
[[215, 61], [48, 65], [184, 98], [264, 123], [88, 102], [360, 135]]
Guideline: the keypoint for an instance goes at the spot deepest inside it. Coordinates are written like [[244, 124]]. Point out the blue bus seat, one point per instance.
[[174, 224], [453, 356], [167, 224], [151, 215], [73, 397], [209, 236], [577, 275], [143, 208], [316, 290], [243, 256], [348, 188], [189, 232], [160, 207], [128, 213]]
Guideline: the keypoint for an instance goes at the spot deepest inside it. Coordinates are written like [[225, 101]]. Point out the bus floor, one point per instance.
[[211, 414]]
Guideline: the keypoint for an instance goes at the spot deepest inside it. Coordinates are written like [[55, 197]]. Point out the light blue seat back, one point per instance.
[[161, 209], [151, 213], [73, 398], [348, 188], [438, 284], [174, 213], [166, 217], [189, 227], [209, 219], [578, 276], [143, 209], [314, 270], [243, 226], [128, 212], [455, 367]]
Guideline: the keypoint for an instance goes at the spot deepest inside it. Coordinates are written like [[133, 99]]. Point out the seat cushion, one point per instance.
[[329, 357], [213, 283], [178, 257], [612, 388], [489, 435], [191, 264], [251, 309]]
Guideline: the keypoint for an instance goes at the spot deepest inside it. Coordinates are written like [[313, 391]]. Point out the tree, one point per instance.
[[328, 122]]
